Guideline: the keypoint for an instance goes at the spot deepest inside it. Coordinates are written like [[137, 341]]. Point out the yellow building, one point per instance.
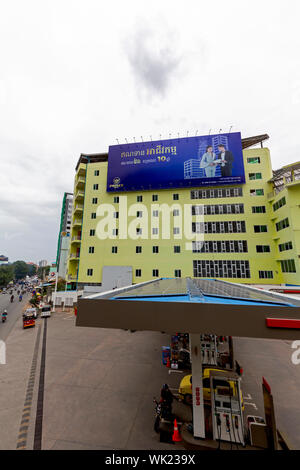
[[251, 230]]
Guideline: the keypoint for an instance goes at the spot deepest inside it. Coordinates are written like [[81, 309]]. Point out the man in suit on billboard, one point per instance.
[[226, 160]]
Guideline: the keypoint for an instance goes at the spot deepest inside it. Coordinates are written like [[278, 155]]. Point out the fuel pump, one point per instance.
[[226, 406], [209, 349]]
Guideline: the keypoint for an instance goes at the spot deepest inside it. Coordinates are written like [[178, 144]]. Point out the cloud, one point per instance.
[[153, 59]]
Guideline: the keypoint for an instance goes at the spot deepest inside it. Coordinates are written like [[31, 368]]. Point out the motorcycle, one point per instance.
[[3, 318]]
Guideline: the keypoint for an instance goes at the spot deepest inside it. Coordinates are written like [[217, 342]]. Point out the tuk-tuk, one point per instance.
[[28, 319]]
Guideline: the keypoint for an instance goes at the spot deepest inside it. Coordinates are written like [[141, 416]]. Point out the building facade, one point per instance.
[[64, 234], [251, 231]]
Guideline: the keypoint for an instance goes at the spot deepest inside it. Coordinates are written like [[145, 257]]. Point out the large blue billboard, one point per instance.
[[208, 160]]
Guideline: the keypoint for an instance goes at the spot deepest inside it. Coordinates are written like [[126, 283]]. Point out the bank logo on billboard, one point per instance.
[[176, 163]]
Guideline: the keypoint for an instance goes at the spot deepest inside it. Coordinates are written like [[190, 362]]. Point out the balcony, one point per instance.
[[81, 170], [77, 222], [78, 208], [71, 277], [79, 196], [76, 239], [80, 182], [74, 257]]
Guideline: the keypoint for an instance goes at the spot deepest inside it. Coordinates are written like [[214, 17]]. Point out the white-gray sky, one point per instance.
[[76, 75]]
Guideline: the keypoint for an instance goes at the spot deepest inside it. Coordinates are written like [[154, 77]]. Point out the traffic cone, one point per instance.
[[168, 363], [176, 434]]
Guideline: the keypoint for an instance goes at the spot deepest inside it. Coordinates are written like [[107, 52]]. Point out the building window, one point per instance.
[[288, 266], [265, 274], [237, 269], [177, 273], [155, 213], [234, 226], [263, 249], [253, 160], [177, 249], [138, 249], [155, 231], [176, 230], [255, 176], [285, 246], [139, 214], [93, 215], [278, 204], [89, 272], [217, 209], [115, 231], [139, 198], [175, 212], [260, 228], [91, 249], [138, 273], [258, 209], [139, 231], [116, 200], [154, 197], [155, 249], [256, 192], [175, 197], [114, 249], [95, 200], [95, 186], [116, 215], [220, 246], [216, 193], [92, 233], [282, 224], [155, 273], [96, 172]]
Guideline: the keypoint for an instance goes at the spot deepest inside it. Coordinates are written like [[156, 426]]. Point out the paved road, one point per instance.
[[14, 311], [99, 384]]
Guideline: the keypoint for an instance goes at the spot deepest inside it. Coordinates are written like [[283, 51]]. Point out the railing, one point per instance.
[[78, 238], [72, 278], [77, 222], [80, 179], [74, 256], [79, 194], [78, 207]]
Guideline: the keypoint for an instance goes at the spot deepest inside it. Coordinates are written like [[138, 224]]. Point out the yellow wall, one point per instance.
[[166, 261]]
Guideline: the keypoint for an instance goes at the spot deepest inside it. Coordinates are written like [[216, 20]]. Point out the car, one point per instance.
[[185, 387], [46, 311]]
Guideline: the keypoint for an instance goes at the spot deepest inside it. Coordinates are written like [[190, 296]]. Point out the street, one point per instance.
[[14, 310]]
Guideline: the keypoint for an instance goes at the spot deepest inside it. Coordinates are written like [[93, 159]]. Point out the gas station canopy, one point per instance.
[[195, 306]]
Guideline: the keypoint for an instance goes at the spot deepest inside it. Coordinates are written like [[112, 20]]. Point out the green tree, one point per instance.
[[6, 274], [61, 284], [42, 270], [20, 269], [32, 269]]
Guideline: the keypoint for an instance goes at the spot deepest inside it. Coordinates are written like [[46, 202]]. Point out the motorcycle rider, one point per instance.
[[20, 297], [4, 315], [12, 298]]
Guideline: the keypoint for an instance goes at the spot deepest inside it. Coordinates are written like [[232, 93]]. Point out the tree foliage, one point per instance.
[[6, 274], [20, 269]]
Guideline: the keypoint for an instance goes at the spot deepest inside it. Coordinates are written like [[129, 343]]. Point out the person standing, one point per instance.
[[227, 159], [208, 162]]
